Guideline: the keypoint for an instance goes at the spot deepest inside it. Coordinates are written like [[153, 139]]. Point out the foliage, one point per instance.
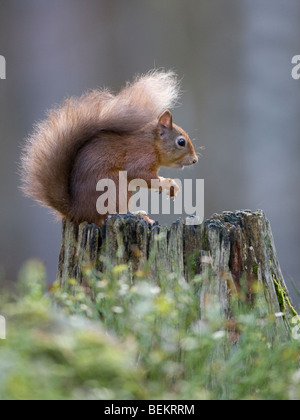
[[139, 341]]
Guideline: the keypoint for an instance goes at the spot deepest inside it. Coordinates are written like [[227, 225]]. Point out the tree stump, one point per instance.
[[234, 253]]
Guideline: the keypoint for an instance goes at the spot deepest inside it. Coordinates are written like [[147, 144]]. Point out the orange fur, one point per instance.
[[96, 136]]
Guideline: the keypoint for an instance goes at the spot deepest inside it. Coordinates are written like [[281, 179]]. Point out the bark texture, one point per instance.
[[234, 253]]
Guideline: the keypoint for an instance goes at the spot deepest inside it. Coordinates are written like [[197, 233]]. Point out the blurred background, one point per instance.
[[240, 101]]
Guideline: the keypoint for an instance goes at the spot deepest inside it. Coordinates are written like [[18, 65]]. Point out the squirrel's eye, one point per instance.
[[181, 142]]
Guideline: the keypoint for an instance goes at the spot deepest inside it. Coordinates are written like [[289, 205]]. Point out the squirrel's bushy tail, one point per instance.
[[49, 153]]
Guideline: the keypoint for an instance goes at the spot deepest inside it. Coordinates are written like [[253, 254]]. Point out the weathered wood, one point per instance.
[[233, 252]]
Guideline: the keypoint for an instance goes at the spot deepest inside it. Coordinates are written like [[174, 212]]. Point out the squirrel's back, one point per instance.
[[50, 152]]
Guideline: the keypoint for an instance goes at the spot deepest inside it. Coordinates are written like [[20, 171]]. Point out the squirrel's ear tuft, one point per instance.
[[166, 120]]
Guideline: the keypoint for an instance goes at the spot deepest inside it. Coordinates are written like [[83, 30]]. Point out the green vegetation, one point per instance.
[[138, 341]]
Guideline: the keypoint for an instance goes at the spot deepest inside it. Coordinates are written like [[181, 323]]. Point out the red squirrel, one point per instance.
[[95, 136]]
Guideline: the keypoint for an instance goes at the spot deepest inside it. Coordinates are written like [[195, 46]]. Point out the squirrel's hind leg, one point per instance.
[[145, 217]]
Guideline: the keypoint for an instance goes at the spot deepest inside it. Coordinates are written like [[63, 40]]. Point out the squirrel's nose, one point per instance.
[[195, 160]]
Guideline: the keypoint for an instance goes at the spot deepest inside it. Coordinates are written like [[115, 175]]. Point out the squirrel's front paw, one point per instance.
[[170, 187]]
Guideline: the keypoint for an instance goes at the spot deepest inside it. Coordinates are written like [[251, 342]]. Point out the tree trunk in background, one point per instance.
[[233, 253]]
